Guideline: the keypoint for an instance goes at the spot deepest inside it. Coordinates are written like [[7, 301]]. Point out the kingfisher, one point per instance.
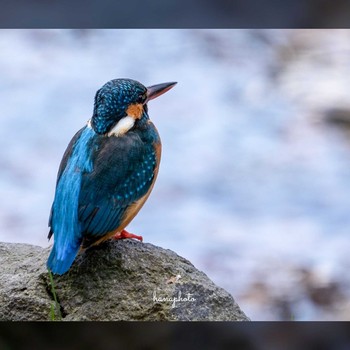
[[107, 171]]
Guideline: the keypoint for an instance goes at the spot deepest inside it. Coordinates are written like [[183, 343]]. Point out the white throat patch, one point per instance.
[[123, 126]]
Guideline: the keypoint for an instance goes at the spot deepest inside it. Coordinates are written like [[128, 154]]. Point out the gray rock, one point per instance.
[[23, 294], [117, 280]]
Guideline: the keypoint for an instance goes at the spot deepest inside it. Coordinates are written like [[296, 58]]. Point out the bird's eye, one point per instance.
[[142, 98]]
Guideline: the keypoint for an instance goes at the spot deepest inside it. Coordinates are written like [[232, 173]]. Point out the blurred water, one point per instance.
[[253, 186]]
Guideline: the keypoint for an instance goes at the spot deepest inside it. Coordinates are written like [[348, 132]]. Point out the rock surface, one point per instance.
[[117, 280]]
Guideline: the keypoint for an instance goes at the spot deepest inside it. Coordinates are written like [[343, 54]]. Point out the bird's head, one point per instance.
[[120, 102]]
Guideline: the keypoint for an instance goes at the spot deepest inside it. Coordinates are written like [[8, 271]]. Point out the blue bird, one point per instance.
[[107, 171]]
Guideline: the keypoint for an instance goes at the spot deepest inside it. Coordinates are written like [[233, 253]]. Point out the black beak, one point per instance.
[[159, 89]]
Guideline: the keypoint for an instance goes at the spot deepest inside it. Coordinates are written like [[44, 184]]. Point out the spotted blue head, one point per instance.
[[122, 98]]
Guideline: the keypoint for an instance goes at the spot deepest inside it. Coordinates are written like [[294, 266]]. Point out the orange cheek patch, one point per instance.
[[135, 110]]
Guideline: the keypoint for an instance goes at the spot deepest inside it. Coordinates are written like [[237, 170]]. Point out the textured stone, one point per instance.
[[23, 294], [117, 280]]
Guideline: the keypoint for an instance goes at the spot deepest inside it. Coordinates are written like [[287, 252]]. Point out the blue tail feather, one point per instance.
[[59, 263], [64, 222]]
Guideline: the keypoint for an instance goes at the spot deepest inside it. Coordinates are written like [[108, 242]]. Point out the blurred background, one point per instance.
[[253, 187]]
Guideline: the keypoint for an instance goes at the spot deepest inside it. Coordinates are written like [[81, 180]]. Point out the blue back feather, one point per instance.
[[64, 222]]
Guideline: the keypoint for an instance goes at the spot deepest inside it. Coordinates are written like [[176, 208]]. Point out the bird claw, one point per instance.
[[125, 234]]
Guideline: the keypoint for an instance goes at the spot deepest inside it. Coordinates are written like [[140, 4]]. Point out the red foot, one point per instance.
[[125, 234]]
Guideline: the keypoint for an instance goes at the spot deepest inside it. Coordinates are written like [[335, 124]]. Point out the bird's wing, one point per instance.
[[124, 169], [63, 165]]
